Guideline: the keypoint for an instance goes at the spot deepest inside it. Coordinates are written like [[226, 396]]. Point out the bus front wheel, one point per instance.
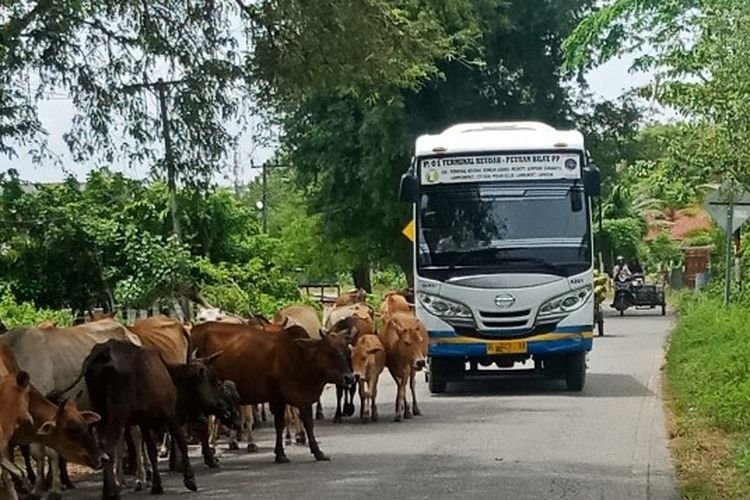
[[575, 371]]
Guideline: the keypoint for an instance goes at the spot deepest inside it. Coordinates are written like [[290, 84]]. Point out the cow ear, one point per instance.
[[374, 350], [46, 428], [305, 342], [90, 417], [23, 379]]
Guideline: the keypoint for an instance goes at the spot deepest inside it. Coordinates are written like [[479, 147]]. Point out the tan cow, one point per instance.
[[14, 412], [165, 335], [405, 340], [301, 315], [368, 361], [351, 297], [47, 324], [393, 302], [60, 428]]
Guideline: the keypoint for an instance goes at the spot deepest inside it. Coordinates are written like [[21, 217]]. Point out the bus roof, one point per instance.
[[498, 136]]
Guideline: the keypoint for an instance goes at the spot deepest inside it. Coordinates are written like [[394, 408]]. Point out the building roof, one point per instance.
[[680, 224]]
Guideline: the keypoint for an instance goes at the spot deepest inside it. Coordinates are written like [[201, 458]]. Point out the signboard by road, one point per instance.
[[408, 231], [717, 205], [500, 167]]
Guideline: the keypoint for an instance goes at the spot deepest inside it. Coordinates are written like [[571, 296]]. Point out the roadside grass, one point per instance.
[[708, 399]]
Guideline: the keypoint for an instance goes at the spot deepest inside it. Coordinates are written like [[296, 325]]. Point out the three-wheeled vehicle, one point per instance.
[[635, 292]]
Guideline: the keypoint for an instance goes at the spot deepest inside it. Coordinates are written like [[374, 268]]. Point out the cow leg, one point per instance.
[[349, 393], [188, 475], [7, 489], [112, 436], [339, 394], [55, 490], [299, 435], [247, 427], [26, 454], [121, 451], [306, 414], [67, 484], [129, 467], [319, 411], [263, 415], [364, 415], [137, 443], [214, 426], [40, 459], [153, 458], [374, 397], [400, 398], [279, 422], [209, 458], [412, 386], [288, 422], [255, 415]]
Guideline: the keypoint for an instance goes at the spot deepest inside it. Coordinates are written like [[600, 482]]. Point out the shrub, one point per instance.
[[14, 314]]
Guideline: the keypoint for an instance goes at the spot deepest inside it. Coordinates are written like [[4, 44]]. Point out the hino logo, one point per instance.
[[504, 301]]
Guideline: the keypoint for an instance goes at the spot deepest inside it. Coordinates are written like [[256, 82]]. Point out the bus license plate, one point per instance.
[[515, 347]]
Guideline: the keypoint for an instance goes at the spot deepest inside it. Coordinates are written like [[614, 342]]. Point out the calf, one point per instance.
[[351, 327], [405, 340], [129, 385], [393, 303], [62, 429], [14, 411], [368, 361], [286, 368]]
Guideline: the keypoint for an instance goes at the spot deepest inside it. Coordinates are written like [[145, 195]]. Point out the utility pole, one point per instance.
[[730, 246], [169, 158], [264, 198]]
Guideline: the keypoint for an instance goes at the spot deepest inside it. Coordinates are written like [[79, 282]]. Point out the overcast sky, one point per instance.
[[608, 81]]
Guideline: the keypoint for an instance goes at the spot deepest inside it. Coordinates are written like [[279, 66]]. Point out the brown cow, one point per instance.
[[131, 386], [165, 335], [393, 302], [62, 428], [47, 324], [405, 340], [286, 368], [368, 361], [307, 318], [14, 412], [351, 297]]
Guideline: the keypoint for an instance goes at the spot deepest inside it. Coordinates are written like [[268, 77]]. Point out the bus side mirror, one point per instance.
[[409, 189], [592, 182]]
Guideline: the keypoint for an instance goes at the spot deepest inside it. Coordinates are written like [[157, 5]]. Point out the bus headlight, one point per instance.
[[567, 303], [444, 308]]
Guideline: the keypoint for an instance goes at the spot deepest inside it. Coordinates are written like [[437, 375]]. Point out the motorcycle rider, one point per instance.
[[620, 273]]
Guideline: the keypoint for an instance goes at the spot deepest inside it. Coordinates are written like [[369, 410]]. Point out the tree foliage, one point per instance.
[[350, 152], [108, 242], [216, 57]]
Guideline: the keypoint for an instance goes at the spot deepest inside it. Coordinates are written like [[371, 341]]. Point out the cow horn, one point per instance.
[[210, 359]]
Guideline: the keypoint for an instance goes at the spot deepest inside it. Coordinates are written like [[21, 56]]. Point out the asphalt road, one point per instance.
[[519, 439]]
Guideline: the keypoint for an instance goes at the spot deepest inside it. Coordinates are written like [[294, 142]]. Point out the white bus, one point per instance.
[[503, 249]]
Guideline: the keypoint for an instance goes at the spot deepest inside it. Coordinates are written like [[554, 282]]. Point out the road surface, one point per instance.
[[514, 439]]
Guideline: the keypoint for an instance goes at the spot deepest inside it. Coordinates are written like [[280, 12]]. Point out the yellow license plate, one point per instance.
[[510, 347]]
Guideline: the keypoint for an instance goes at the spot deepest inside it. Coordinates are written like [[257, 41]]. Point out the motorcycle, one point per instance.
[[632, 291], [623, 294]]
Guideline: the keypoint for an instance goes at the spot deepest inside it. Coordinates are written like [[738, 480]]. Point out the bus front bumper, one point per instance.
[[451, 345]]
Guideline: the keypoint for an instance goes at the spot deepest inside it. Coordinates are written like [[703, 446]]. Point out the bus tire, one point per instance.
[[438, 383], [575, 371]]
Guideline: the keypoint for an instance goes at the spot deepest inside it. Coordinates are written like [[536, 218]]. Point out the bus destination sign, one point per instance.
[[503, 167]]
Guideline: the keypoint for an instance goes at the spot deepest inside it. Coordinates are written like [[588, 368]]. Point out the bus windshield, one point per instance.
[[502, 229]]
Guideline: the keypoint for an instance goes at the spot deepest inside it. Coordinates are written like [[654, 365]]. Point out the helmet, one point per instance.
[[620, 258]]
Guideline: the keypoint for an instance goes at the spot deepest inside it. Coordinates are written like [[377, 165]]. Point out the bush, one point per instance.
[[14, 314], [708, 363]]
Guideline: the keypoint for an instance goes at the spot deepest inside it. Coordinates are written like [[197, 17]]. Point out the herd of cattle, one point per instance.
[[99, 393]]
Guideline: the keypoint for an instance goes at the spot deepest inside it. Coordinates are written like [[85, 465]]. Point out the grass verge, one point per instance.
[[708, 399]]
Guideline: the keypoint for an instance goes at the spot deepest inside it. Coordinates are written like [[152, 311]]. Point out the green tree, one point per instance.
[[350, 152]]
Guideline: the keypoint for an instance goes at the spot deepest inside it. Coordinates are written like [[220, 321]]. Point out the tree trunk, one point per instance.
[[361, 276]]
